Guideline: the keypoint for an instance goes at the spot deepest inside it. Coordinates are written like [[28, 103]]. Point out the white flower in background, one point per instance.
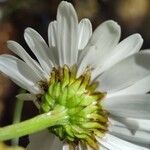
[[104, 81]]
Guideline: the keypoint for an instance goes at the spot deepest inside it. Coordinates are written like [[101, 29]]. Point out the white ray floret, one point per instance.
[[118, 67]]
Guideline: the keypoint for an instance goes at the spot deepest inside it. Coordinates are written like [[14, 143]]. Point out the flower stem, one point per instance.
[[17, 116], [38, 123]]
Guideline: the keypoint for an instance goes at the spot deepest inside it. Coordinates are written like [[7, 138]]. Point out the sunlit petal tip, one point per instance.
[[86, 21], [9, 42], [139, 37], [113, 26], [28, 29]]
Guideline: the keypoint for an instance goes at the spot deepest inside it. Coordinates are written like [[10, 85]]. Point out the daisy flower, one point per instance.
[[91, 90]]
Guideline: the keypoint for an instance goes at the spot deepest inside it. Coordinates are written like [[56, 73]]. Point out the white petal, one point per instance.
[[29, 97], [66, 146], [39, 48], [34, 89], [52, 30], [138, 136], [128, 46], [57, 144], [84, 33], [100, 147], [140, 87], [103, 148], [43, 141], [135, 106], [52, 40], [125, 73], [100, 46], [67, 34], [113, 143], [131, 129], [20, 51], [132, 125], [144, 124], [26, 97], [19, 72]]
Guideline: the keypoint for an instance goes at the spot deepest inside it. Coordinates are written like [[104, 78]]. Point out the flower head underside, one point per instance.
[[90, 89]]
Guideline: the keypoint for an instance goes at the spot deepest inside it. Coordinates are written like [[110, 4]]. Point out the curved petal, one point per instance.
[[20, 51], [52, 30], [144, 124], [140, 87], [43, 141], [130, 106], [34, 89], [139, 135], [125, 48], [113, 143], [125, 73], [67, 34], [52, 39], [131, 125], [84, 33], [26, 97], [142, 137], [29, 97], [20, 73], [100, 46], [39, 48]]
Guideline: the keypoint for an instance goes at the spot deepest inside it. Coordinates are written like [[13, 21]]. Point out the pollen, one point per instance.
[[86, 116]]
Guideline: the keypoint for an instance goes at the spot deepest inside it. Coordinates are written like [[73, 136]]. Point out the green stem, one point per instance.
[[18, 111], [38, 123], [17, 116]]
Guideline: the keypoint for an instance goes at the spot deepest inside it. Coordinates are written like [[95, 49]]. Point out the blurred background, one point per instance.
[[16, 15]]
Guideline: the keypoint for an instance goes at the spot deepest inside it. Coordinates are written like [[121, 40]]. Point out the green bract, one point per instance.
[[86, 117]]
